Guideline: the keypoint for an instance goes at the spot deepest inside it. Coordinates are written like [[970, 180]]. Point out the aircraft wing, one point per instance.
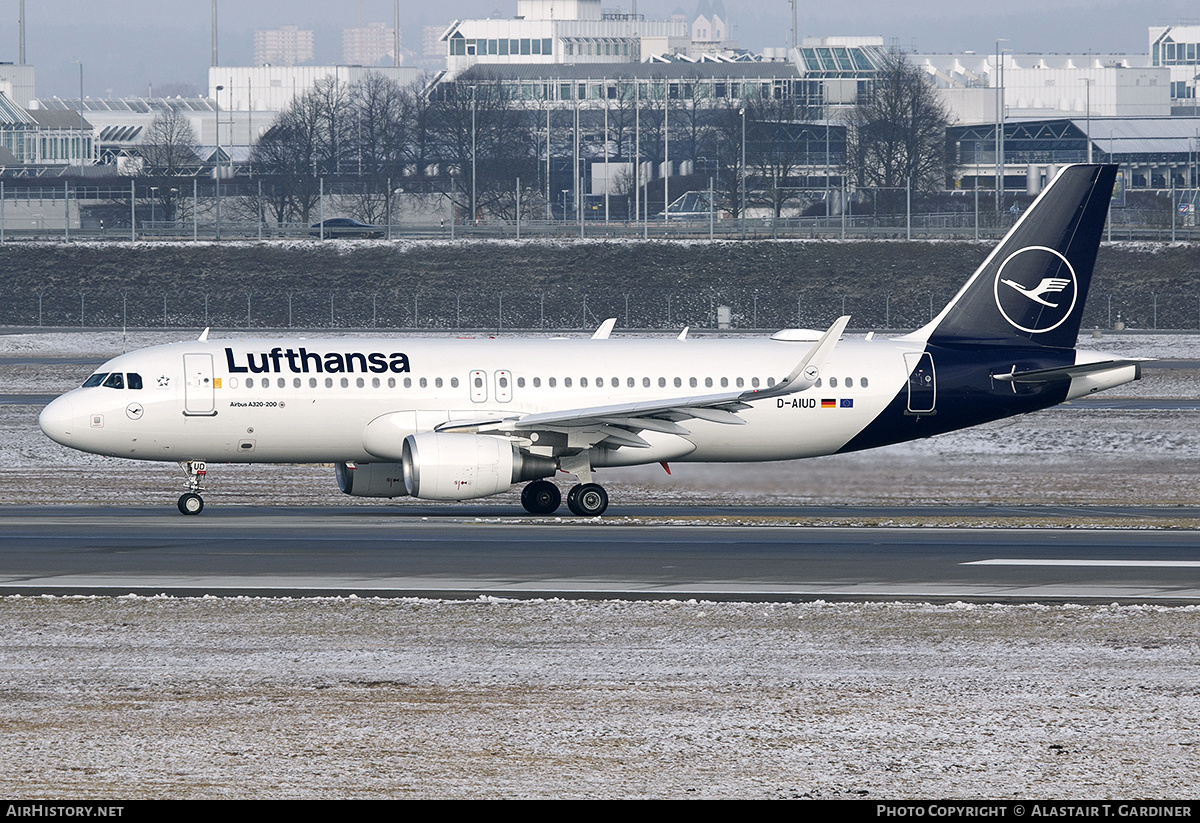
[[620, 422]]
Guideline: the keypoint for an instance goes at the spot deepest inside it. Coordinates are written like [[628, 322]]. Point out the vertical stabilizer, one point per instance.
[[1032, 287]]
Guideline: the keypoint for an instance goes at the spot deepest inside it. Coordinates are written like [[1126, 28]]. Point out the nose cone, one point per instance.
[[57, 420]]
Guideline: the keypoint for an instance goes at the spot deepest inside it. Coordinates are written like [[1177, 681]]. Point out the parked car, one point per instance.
[[338, 227]]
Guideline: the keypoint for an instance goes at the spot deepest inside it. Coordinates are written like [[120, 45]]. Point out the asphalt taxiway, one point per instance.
[[663, 552]]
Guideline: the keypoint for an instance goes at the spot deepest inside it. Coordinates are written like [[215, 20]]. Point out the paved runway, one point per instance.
[[468, 552]]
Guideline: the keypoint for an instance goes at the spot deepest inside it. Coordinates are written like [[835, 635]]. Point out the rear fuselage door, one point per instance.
[[199, 396], [922, 384]]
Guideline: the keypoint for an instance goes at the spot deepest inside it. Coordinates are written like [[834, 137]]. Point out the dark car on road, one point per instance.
[[341, 227]]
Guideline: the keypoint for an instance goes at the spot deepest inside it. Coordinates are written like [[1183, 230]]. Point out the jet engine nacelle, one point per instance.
[[439, 466], [370, 479]]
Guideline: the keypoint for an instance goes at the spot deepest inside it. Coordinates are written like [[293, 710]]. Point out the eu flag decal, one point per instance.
[[847, 403]]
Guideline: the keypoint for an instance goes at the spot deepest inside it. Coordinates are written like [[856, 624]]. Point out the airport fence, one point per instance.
[[541, 312], [181, 210]]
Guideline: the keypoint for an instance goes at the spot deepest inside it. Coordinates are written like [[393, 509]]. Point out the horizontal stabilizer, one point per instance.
[[1067, 372]]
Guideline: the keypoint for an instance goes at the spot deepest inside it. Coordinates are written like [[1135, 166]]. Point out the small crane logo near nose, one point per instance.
[[134, 411]]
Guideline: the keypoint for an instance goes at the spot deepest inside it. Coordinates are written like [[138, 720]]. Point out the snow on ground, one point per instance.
[[318, 698]]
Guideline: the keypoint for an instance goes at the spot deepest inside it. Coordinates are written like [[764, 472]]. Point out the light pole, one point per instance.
[[81, 129], [999, 125], [153, 198], [472, 154], [1087, 85], [742, 208], [606, 160], [667, 152], [637, 151], [217, 159]]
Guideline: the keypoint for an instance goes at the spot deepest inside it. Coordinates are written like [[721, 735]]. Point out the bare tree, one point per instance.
[[380, 125], [170, 144], [691, 118], [776, 152], [169, 152], [311, 138], [488, 141], [896, 135], [727, 122]]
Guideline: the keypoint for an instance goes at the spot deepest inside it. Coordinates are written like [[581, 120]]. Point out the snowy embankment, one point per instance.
[[216, 698]]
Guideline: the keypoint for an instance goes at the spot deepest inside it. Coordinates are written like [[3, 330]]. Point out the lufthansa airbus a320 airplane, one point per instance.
[[459, 419]]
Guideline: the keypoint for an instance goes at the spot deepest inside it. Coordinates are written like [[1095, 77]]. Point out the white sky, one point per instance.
[[128, 44]]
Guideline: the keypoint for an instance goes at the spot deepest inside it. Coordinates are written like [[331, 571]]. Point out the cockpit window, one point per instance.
[[95, 380], [116, 380], [135, 380]]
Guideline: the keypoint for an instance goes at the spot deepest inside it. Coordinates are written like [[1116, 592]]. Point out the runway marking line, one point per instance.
[[1157, 564]]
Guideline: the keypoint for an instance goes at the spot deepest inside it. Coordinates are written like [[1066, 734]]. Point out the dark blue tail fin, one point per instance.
[[1032, 287]]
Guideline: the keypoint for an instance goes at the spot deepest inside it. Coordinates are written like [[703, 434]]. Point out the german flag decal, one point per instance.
[[828, 403]]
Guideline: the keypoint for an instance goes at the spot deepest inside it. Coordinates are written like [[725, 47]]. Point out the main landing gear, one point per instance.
[[585, 499], [191, 502], [541, 497]]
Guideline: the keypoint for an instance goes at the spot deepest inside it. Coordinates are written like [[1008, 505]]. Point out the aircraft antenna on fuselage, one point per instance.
[[204, 334], [605, 329]]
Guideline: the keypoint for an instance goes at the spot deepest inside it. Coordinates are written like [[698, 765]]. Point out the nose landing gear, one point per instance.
[[191, 502]]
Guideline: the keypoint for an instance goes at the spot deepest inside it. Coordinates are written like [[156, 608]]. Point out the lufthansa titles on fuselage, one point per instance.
[[303, 361]]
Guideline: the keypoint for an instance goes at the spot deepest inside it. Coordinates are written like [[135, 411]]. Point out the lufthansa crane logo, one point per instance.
[[1036, 289]]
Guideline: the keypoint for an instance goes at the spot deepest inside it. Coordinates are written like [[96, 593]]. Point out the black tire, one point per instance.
[[587, 500], [541, 497], [191, 504]]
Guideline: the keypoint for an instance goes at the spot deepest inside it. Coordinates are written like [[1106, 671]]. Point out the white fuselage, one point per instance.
[[307, 407]]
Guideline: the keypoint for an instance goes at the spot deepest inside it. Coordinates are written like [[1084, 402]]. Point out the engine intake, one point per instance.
[[441, 466]]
